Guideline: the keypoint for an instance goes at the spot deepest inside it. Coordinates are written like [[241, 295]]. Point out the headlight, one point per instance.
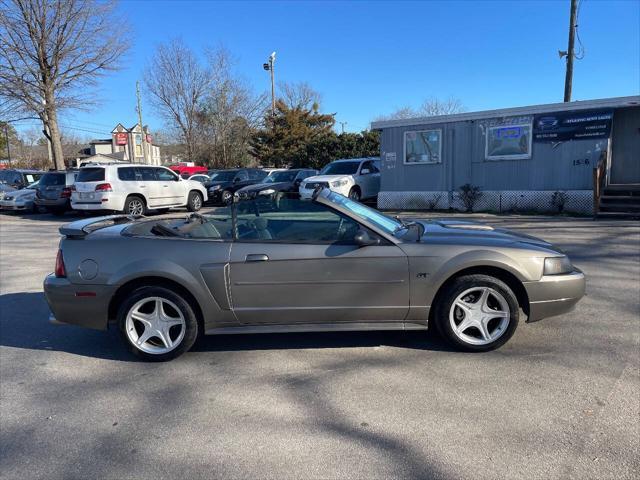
[[214, 188], [339, 183], [557, 265]]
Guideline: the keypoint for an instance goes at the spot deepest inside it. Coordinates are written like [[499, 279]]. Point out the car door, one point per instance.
[[295, 261], [367, 179], [147, 185], [173, 190], [241, 180]]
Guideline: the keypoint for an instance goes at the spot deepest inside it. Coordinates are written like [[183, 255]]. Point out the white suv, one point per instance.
[[356, 178], [133, 189]]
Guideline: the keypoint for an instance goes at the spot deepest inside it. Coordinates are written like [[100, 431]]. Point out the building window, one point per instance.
[[423, 147], [508, 142]]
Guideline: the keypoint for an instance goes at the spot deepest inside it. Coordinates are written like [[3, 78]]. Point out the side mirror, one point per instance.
[[363, 239], [297, 182]]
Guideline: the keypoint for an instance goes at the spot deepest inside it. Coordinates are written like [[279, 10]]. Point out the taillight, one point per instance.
[[60, 271], [65, 193], [104, 187]]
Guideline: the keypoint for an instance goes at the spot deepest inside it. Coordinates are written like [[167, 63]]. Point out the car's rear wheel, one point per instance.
[[135, 206], [477, 313], [194, 202], [157, 324], [226, 197]]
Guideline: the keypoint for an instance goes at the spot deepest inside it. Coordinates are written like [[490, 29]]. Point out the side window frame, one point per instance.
[[234, 237]]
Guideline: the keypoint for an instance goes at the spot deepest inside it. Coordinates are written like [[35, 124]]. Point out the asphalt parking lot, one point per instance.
[[560, 400]]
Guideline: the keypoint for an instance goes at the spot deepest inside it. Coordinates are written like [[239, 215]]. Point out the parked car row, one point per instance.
[[135, 189]]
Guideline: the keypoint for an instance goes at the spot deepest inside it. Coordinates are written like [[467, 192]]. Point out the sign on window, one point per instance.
[[508, 142]]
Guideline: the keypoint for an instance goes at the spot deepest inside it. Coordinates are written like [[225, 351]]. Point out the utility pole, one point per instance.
[[568, 80], [269, 66], [342, 124], [6, 136], [142, 134]]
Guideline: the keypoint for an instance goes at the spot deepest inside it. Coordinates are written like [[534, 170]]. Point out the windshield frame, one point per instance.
[[225, 173], [372, 218], [325, 169], [271, 178]]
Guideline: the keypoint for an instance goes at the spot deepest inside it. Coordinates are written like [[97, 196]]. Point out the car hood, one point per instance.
[[327, 178], [439, 229], [7, 188], [263, 186], [14, 194]]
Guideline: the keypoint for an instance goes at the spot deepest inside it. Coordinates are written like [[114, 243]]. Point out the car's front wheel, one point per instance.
[[354, 194], [157, 324], [226, 197], [477, 313], [194, 202]]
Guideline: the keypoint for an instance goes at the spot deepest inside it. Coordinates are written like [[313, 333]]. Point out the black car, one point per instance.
[[224, 183], [53, 192], [287, 181], [17, 178]]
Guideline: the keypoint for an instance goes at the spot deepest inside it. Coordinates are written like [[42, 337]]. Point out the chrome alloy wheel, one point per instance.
[[196, 202], [155, 325], [136, 207], [479, 315]]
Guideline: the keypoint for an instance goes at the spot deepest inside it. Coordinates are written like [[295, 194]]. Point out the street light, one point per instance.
[[269, 66]]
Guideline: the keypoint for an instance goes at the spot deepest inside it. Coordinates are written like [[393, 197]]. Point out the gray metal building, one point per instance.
[[519, 157]]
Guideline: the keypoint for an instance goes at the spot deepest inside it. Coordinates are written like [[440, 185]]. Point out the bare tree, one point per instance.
[[177, 83], [299, 95], [430, 108], [52, 51], [229, 113]]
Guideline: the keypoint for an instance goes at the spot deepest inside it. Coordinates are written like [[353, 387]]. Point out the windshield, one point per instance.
[[340, 168], [389, 225], [275, 177], [225, 176], [52, 179]]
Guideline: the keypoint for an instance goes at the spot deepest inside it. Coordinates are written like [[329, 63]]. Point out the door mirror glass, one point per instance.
[[363, 239]]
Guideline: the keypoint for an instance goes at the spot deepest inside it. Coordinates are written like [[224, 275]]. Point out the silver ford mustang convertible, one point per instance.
[[270, 263]]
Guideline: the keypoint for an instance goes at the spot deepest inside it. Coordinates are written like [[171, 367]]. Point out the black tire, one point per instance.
[[184, 307], [135, 205], [354, 194], [226, 197], [58, 212], [458, 286], [194, 202]]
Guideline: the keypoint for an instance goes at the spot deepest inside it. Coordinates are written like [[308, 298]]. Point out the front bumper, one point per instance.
[[5, 205], [554, 295], [82, 305]]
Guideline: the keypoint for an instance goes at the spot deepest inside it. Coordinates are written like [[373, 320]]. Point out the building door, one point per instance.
[[625, 147]]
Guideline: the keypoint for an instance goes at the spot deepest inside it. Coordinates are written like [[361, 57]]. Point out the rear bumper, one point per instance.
[[82, 305], [554, 294], [56, 203]]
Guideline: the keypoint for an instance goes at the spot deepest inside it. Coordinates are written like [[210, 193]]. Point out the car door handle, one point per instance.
[[256, 257], [143, 186]]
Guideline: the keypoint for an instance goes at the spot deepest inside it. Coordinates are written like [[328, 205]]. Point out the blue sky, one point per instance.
[[367, 58]]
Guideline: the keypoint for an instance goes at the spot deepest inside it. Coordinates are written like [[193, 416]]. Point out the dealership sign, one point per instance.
[[122, 138], [562, 126]]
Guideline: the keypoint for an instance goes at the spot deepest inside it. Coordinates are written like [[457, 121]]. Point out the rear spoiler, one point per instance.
[[82, 228]]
